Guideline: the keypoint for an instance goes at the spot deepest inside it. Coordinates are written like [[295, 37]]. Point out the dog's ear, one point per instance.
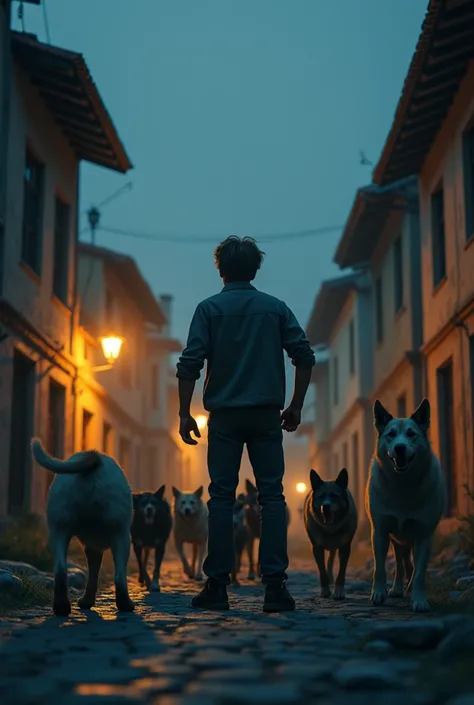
[[315, 480], [422, 415], [176, 492], [199, 492], [160, 493], [342, 480], [381, 416], [250, 487], [135, 497]]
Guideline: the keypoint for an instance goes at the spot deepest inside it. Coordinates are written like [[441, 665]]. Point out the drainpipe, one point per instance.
[[5, 123], [75, 316]]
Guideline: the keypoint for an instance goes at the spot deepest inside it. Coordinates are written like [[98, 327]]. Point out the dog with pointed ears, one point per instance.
[[151, 528], [405, 501], [330, 519], [190, 525]]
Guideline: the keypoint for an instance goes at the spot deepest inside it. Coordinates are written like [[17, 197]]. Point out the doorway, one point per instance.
[[21, 432]]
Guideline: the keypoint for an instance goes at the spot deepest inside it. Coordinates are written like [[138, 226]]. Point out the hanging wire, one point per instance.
[[197, 239]]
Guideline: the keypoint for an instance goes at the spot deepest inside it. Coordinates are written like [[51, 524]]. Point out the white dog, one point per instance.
[[92, 500], [405, 500], [190, 526]]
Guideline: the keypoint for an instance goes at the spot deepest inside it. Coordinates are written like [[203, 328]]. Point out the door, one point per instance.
[[447, 446], [21, 430]]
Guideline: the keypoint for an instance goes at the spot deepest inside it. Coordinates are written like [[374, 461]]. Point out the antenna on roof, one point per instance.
[[21, 15], [363, 161]]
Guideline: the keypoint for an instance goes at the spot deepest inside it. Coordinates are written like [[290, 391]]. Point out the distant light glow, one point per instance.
[[301, 487], [201, 421]]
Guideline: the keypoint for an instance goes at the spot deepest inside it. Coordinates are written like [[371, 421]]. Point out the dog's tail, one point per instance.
[[85, 462]]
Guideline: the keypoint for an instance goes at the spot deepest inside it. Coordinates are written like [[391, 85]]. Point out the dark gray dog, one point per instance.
[[151, 528], [330, 519]]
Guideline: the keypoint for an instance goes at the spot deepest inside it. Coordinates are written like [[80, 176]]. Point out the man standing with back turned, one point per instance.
[[242, 334]]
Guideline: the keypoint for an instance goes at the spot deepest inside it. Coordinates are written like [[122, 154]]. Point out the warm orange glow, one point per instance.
[[111, 347], [201, 421], [301, 487]]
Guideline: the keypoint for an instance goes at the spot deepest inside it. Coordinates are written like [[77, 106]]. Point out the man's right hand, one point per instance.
[[188, 425], [290, 419]]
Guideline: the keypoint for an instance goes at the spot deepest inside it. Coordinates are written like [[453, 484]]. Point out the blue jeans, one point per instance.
[[228, 431]]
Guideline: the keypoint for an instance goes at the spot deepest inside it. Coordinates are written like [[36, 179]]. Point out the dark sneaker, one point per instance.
[[212, 597], [278, 599]]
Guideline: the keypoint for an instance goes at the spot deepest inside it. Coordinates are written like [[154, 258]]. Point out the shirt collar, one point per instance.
[[238, 285]]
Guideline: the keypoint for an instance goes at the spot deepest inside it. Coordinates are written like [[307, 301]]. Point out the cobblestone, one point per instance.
[[167, 653]]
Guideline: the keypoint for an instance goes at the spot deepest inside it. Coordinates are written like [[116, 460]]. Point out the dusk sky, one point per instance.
[[240, 116]]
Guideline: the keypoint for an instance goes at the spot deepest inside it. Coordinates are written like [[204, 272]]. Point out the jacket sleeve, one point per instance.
[[196, 351], [295, 341]]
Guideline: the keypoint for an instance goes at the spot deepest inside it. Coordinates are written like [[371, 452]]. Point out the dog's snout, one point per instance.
[[400, 449]]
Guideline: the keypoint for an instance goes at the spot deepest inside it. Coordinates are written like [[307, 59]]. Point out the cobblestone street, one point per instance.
[[325, 652]]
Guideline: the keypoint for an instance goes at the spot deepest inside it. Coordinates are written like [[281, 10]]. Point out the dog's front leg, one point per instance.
[[320, 558], [143, 578], [200, 559], [419, 602], [184, 561], [380, 544], [397, 588], [94, 561], [332, 555], [120, 545], [59, 542], [344, 555], [251, 575], [194, 559], [159, 554]]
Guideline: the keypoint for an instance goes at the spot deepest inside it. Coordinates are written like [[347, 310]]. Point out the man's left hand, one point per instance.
[[188, 425], [290, 419]]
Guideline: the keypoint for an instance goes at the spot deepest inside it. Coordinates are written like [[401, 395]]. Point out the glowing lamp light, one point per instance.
[[111, 347], [201, 421], [301, 487]]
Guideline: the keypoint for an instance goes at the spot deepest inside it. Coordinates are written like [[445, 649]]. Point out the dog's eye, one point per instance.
[[392, 433], [410, 432]]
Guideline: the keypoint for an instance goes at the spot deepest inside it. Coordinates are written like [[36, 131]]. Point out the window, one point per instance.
[[447, 456], [402, 406], [438, 240], [345, 455], [335, 371], [155, 381], [355, 465], [33, 190], [86, 430], [379, 309], [351, 347], [56, 418], [468, 169], [61, 250], [398, 273], [107, 438]]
